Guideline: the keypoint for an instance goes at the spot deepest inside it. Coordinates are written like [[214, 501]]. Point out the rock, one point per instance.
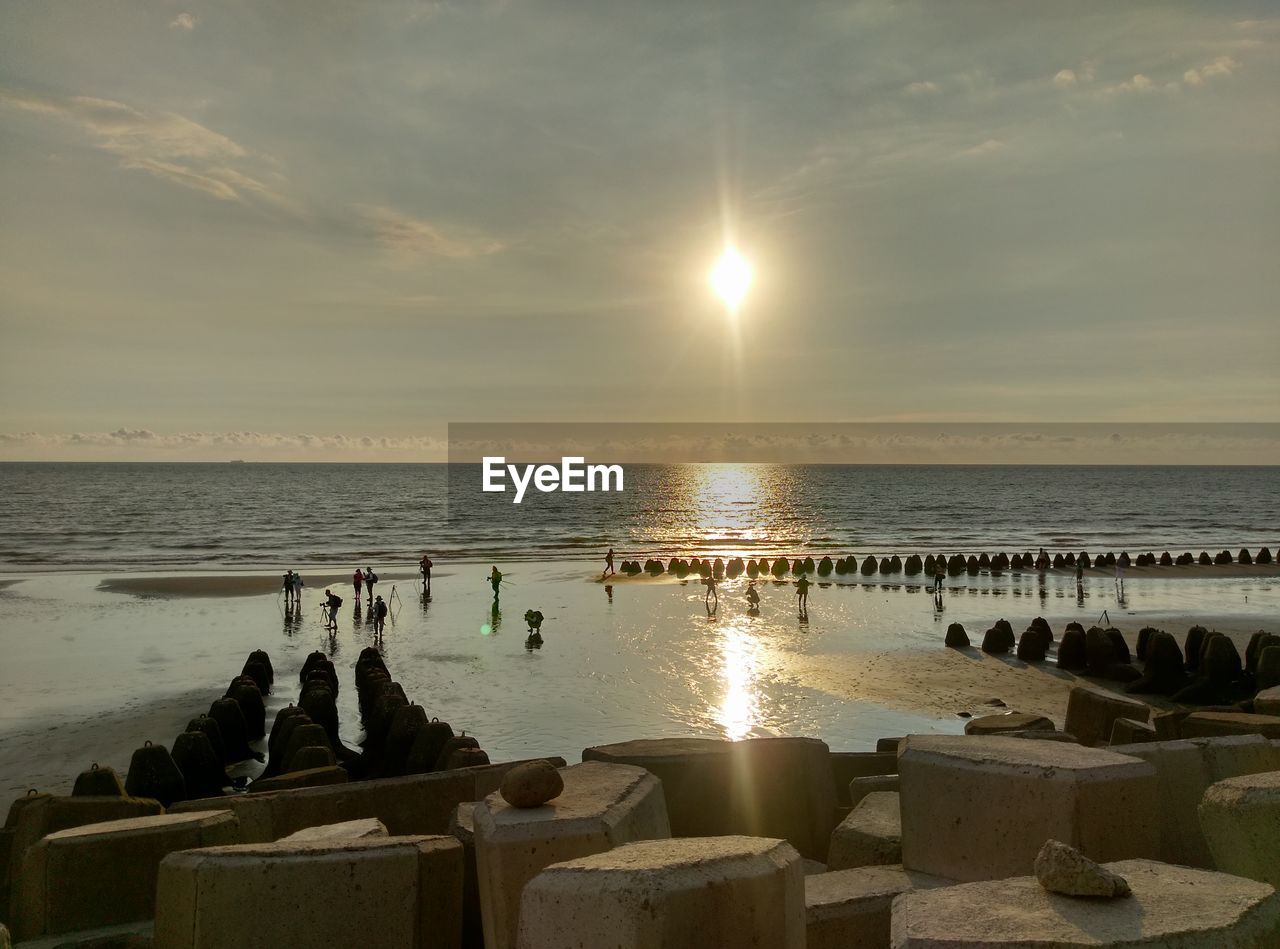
[[956, 636], [1162, 669], [1071, 651], [997, 640], [1032, 646], [1064, 869], [1118, 643], [1192, 644], [531, 784], [1264, 556]]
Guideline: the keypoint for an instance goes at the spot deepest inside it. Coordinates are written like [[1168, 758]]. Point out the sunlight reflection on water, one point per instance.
[[739, 710]]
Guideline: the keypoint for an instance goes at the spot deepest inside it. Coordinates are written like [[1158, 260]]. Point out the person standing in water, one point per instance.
[[753, 596], [424, 568], [357, 581], [370, 578], [802, 591], [939, 575], [495, 581], [379, 615], [1080, 577], [710, 581], [608, 564], [334, 602], [288, 588], [297, 589]]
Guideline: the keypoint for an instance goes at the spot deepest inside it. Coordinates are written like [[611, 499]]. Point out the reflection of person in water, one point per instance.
[[753, 597]]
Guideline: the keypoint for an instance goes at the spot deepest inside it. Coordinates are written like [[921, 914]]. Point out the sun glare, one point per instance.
[[731, 278]]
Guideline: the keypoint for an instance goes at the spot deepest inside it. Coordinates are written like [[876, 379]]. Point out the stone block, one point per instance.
[[1241, 822], [980, 808], [1126, 731], [1207, 724], [1267, 702], [105, 874], [376, 893], [1184, 771], [414, 804], [359, 829], [1091, 713], [688, 893], [861, 787], [601, 807], [463, 827], [870, 836], [1170, 906], [764, 787], [125, 936], [852, 909], [1007, 722]]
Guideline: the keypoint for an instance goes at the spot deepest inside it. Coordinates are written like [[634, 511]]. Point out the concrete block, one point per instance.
[[688, 893], [414, 804], [463, 827], [851, 909], [1007, 722], [105, 874], [1241, 822], [1170, 906], [1267, 702], [1184, 771], [763, 787], [376, 893], [1091, 713], [359, 829], [1206, 724], [870, 836], [980, 808], [1126, 731], [601, 807], [846, 766], [125, 936], [861, 787]]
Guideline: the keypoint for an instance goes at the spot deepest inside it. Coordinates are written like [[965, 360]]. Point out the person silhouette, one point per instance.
[[753, 597], [802, 591], [379, 609], [424, 568], [495, 581], [608, 564], [710, 582]]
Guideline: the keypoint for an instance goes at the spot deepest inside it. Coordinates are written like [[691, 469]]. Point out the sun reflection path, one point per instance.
[[739, 713]]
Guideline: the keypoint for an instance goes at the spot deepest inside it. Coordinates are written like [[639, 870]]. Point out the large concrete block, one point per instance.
[[688, 893], [851, 909], [602, 806], [762, 787], [1208, 724], [848, 766], [1267, 702], [1241, 822], [870, 836], [105, 874], [1091, 713], [1184, 771], [414, 804], [861, 787], [125, 936], [980, 808], [463, 827], [376, 893], [359, 829], [1007, 722], [1170, 906]]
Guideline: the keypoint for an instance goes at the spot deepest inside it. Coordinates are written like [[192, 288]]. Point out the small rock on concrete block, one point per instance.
[[1007, 722], [346, 830], [1063, 869], [870, 836], [376, 893], [861, 787], [1267, 702], [980, 808], [851, 909], [1127, 731], [688, 893], [1091, 713], [762, 787], [1241, 821], [105, 874], [1170, 906], [1184, 771], [601, 807], [1207, 724], [531, 784]]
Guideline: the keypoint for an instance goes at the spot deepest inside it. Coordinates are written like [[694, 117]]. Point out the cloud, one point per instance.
[[1065, 78], [410, 236], [145, 444], [163, 144], [989, 147], [183, 21], [921, 89], [1199, 75]]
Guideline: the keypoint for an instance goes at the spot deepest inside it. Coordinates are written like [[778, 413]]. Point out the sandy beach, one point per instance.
[[118, 660]]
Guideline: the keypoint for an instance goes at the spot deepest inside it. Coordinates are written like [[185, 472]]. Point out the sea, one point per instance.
[[121, 517]]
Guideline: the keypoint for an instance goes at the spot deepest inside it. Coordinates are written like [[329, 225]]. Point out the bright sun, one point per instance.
[[731, 278]]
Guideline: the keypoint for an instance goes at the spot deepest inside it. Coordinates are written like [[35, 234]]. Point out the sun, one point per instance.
[[731, 278]]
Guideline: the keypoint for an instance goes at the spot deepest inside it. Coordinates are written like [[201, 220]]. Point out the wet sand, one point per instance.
[[91, 673]]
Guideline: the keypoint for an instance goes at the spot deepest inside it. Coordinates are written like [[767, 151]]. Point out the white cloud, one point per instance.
[[162, 144], [183, 21], [1199, 75], [925, 88], [1065, 78], [990, 146], [413, 237], [144, 444]]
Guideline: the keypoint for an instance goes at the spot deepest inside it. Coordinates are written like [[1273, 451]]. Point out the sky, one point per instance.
[[324, 230]]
